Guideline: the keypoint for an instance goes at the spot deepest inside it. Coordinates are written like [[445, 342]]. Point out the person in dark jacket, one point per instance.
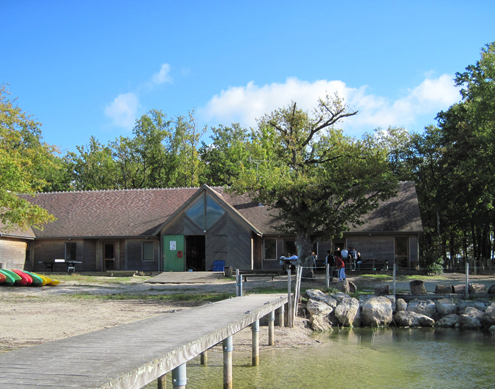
[[340, 265]]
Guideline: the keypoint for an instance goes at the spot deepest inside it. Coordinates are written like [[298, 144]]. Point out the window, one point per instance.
[[270, 249], [147, 251], [70, 251], [205, 212], [289, 248]]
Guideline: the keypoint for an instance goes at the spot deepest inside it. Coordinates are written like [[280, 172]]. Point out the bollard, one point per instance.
[[281, 316], [395, 269], [289, 287], [466, 292], [255, 329], [162, 382], [227, 362], [271, 328], [327, 276], [204, 358], [179, 377]]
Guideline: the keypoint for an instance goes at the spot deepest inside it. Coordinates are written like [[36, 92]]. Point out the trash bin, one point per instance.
[[228, 271]]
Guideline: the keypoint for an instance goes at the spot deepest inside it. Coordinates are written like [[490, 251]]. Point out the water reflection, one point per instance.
[[364, 358]]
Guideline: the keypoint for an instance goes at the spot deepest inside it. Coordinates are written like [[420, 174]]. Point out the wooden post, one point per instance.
[[327, 276], [281, 316], [179, 377], [395, 269], [162, 382], [466, 292], [204, 358], [255, 329], [271, 328], [237, 283], [227, 362], [289, 301]]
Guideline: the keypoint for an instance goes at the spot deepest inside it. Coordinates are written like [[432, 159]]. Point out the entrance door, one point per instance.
[[402, 252], [109, 256], [173, 253], [195, 252]]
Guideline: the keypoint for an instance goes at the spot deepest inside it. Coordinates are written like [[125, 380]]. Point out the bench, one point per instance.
[[256, 275], [71, 265]]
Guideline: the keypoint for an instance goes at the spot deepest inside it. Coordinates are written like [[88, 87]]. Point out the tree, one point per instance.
[[23, 158], [316, 180]]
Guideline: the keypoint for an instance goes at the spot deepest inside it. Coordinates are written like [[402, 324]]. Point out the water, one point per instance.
[[363, 358]]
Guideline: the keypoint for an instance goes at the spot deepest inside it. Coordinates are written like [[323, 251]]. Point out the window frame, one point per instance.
[[143, 244]]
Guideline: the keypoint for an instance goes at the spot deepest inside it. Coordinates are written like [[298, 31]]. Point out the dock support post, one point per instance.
[[271, 328], [289, 287], [228, 347], [204, 358], [281, 316], [162, 382], [255, 328], [327, 275], [179, 377]]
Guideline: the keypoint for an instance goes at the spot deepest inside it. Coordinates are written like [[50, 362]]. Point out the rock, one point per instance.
[[492, 329], [474, 313], [346, 311], [377, 312], [463, 304], [417, 287], [352, 287], [357, 322], [444, 289], [382, 290], [391, 297], [445, 307], [460, 289], [343, 286], [423, 307], [412, 319], [491, 290], [320, 323], [339, 296], [318, 295], [488, 318], [401, 305], [477, 288], [448, 321], [317, 308], [469, 323]]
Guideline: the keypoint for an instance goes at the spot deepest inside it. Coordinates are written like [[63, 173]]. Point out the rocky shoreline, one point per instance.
[[325, 311]]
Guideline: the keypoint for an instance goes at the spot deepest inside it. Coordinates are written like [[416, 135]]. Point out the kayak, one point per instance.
[[53, 282], [48, 280], [44, 279], [9, 280], [2, 278], [26, 279], [15, 277], [37, 280]]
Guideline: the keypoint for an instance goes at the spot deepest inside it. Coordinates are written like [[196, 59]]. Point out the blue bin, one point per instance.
[[218, 265]]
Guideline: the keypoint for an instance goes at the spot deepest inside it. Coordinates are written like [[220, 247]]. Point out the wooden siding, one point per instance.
[[134, 256], [12, 253], [89, 258], [379, 247]]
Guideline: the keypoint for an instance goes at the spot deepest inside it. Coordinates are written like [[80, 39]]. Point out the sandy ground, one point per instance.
[[30, 316]]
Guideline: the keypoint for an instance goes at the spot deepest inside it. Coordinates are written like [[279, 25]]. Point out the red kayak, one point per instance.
[[2, 278], [25, 279]]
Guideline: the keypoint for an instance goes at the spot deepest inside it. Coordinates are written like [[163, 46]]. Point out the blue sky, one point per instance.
[[90, 68]]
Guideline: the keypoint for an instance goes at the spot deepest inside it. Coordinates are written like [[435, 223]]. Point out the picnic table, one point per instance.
[[71, 265]]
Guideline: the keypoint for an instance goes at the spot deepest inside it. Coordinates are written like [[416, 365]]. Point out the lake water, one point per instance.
[[363, 358]]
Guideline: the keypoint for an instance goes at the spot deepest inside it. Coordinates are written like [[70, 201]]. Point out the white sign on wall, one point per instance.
[[173, 245]]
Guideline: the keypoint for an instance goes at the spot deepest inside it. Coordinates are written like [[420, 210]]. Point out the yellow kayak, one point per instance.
[[47, 280]]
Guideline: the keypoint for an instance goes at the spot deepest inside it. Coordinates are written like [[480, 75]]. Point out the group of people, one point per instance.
[[339, 258]]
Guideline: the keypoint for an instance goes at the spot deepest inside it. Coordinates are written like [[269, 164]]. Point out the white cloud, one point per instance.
[[162, 76], [246, 104], [123, 110]]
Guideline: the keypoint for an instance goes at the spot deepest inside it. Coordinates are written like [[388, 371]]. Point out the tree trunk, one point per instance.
[[304, 246]]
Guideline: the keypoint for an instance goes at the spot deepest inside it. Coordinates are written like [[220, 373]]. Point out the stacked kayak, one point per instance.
[[24, 278]]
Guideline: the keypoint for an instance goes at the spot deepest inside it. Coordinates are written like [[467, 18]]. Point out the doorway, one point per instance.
[[109, 256], [195, 253], [402, 252]]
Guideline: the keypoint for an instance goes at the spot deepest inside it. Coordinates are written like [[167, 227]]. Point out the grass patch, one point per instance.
[[194, 298], [99, 279]]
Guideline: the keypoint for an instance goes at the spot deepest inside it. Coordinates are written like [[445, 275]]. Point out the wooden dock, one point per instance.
[[134, 354]]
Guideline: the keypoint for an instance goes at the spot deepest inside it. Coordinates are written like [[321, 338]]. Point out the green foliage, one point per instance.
[[319, 181], [24, 160]]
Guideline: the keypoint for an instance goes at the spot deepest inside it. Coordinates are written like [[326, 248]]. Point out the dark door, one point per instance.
[[195, 252], [109, 255]]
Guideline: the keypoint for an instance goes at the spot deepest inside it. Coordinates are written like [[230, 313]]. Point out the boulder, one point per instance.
[[412, 319], [382, 290], [474, 313], [377, 311], [391, 297], [492, 329], [401, 305], [460, 289], [318, 295], [317, 308], [444, 289], [352, 287], [477, 288], [343, 286], [469, 323], [417, 287], [423, 307], [357, 322], [339, 296], [320, 323], [448, 321], [463, 304], [491, 290], [346, 311], [488, 318], [445, 307]]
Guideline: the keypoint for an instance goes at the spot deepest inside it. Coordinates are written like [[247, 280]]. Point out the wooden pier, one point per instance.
[[135, 354]]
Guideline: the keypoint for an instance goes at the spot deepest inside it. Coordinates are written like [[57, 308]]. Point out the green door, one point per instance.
[[173, 253]]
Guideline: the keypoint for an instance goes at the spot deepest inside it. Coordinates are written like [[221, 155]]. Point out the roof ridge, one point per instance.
[[114, 190]]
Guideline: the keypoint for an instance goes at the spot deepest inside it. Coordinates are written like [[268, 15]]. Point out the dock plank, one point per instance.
[[134, 354]]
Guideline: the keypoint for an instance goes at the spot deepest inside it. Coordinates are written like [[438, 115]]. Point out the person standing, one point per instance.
[[353, 254], [340, 265], [345, 255]]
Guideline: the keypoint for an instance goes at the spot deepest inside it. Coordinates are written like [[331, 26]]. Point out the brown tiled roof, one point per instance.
[[140, 212], [17, 233]]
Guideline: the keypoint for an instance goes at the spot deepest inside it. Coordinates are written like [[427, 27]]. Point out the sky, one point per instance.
[[91, 68]]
